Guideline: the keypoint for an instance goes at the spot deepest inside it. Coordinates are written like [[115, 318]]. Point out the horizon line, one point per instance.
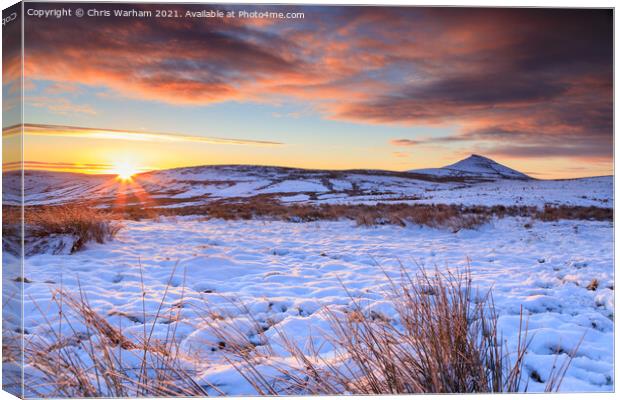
[[105, 169]]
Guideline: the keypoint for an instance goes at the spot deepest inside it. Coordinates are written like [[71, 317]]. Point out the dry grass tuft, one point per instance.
[[83, 224], [445, 340], [97, 360], [593, 285]]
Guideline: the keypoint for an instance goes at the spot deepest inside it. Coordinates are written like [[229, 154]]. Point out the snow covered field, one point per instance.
[[285, 272]]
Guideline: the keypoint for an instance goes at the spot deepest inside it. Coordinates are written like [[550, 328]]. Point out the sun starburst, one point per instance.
[[125, 171]]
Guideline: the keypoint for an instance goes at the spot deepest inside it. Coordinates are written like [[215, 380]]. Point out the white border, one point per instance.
[[462, 3]]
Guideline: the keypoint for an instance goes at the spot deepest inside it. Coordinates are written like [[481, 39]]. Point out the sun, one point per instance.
[[125, 171]]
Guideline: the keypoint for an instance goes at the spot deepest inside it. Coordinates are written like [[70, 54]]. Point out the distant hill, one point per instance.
[[475, 166]]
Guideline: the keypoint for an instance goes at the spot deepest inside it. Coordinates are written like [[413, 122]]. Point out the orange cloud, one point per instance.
[[404, 142]]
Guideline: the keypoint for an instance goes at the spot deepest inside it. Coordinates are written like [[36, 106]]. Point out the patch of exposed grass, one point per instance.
[[434, 215], [437, 216], [83, 224], [593, 285], [555, 213]]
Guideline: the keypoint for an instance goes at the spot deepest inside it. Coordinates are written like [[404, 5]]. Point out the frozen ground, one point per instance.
[[285, 272]]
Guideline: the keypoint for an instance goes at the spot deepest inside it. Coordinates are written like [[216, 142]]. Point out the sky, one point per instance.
[[344, 87]]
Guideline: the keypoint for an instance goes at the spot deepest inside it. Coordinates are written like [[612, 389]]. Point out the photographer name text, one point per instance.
[[160, 13]]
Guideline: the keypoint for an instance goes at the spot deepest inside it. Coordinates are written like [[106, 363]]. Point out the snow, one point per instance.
[[212, 183], [596, 191], [293, 186], [475, 165], [295, 198], [285, 273]]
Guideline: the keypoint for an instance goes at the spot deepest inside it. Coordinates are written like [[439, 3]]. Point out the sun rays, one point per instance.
[[124, 171]]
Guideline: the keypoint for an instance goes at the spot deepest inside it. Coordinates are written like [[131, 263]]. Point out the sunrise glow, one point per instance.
[[124, 171]]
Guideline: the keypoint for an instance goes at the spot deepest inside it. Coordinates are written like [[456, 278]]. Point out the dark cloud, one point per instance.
[[11, 44], [486, 90], [584, 151], [520, 81], [526, 83]]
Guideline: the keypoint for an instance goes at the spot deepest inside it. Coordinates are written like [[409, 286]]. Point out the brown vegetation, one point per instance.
[[102, 361], [433, 215], [593, 285], [83, 224], [555, 213]]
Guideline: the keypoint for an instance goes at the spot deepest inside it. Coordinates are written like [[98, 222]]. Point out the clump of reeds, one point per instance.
[[84, 224], [445, 339], [98, 360]]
